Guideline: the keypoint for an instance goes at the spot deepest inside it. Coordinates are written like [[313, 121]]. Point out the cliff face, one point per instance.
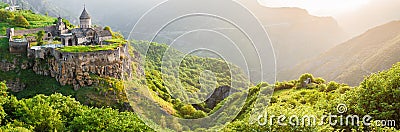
[[5, 66], [78, 69]]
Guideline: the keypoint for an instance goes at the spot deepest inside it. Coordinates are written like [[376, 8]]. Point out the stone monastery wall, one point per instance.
[[77, 69]]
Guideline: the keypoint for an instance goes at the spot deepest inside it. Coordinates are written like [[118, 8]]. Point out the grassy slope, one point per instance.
[[113, 44], [35, 21]]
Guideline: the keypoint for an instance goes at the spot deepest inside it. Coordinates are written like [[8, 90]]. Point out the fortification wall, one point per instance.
[[50, 29], [77, 69]]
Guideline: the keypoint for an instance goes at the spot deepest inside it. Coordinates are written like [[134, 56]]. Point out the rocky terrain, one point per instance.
[[78, 69]]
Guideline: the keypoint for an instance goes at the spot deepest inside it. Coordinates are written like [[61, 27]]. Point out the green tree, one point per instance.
[[6, 15], [3, 100], [3, 5], [68, 24], [21, 21], [187, 110], [108, 28], [107, 120], [332, 86], [199, 114], [378, 96], [39, 37], [304, 77], [37, 112], [117, 35]]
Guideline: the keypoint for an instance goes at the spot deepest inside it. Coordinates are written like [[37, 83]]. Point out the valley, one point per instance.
[[67, 74]]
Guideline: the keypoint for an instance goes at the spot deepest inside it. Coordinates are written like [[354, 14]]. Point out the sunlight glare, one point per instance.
[[319, 7]]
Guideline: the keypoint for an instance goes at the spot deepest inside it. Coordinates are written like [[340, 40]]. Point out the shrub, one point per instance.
[[322, 88], [378, 96], [304, 77], [319, 80], [342, 90], [283, 85], [187, 110], [6, 15], [332, 86], [39, 37], [21, 21]]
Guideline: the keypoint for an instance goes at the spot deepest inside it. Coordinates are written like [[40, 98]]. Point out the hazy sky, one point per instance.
[[354, 16], [319, 7]]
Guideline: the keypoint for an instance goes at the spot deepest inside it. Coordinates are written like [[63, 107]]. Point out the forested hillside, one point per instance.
[[377, 96]]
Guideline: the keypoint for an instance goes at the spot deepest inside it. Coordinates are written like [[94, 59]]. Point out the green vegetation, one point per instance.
[[116, 41], [66, 22], [377, 96], [39, 37], [21, 21], [108, 28], [61, 113], [3, 5], [6, 16], [42, 106], [115, 35], [190, 69], [5, 54], [36, 20], [112, 44], [290, 98], [90, 48]]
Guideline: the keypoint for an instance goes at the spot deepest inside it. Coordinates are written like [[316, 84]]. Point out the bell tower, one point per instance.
[[85, 20]]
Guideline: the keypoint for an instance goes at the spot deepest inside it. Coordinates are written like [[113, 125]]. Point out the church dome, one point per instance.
[[84, 14]]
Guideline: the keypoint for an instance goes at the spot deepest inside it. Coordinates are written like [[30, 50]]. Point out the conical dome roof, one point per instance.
[[84, 14]]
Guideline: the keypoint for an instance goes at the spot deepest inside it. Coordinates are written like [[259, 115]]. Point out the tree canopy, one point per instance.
[[21, 21]]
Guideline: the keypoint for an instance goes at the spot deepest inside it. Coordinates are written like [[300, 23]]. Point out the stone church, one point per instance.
[[85, 34]]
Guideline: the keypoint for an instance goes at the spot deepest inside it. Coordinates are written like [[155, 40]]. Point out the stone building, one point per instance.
[[84, 35], [85, 20]]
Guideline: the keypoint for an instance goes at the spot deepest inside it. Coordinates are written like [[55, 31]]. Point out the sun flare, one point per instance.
[[319, 7]]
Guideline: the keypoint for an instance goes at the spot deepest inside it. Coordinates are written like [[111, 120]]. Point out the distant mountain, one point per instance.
[[375, 50], [296, 35]]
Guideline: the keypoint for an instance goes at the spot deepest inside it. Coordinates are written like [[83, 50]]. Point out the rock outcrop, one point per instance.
[[6, 66], [15, 85], [78, 69], [218, 95]]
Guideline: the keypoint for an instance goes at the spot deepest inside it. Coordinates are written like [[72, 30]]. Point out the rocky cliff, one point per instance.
[[78, 69], [10, 65]]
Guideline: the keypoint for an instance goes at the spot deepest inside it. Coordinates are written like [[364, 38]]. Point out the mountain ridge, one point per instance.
[[349, 62]]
